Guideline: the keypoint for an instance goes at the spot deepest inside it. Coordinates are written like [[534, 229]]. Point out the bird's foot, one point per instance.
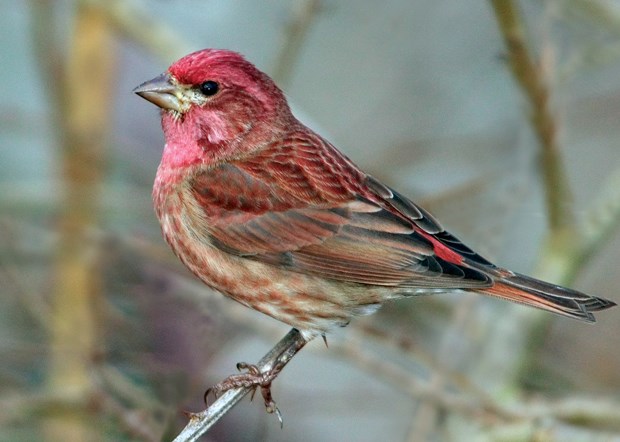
[[252, 378]]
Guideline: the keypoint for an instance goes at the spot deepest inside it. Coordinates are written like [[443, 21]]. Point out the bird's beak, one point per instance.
[[162, 92]]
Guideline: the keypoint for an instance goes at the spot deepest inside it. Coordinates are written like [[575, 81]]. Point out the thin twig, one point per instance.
[[32, 301], [588, 58], [602, 222], [404, 345], [531, 78], [297, 30], [601, 14], [81, 129], [49, 57], [594, 413], [478, 407], [425, 418], [564, 256], [19, 407], [137, 424], [200, 422], [582, 411], [137, 24]]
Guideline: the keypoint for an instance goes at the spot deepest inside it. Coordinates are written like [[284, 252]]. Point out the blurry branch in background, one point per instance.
[[28, 296], [304, 14], [564, 250], [604, 216], [131, 21], [81, 81], [588, 59], [449, 394], [592, 413], [602, 221], [159, 39], [427, 414], [532, 78], [138, 25], [600, 13], [49, 55], [141, 416], [602, 16], [496, 369], [567, 247]]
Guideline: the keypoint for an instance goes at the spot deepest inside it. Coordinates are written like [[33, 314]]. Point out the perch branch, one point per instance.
[[199, 423]]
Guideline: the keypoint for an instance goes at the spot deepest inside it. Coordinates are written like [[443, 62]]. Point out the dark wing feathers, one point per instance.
[[311, 219], [452, 242], [425, 221], [406, 207]]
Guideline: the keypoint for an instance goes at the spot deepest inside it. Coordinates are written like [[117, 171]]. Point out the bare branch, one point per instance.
[[281, 354], [140, 26], [603, 221], [476, 407], [602, 14], [531, 78], [297, 30]]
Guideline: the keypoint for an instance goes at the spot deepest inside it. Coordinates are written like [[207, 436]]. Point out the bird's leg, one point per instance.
[[254, 378]]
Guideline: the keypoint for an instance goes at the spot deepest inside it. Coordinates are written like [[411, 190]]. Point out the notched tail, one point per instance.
[[550, 297]]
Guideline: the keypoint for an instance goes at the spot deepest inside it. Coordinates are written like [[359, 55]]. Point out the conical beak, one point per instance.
[[161, 92]]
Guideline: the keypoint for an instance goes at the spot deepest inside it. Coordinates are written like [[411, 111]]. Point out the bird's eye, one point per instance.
[[209, 88]]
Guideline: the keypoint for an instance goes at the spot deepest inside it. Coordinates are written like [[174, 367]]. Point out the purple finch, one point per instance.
[[269, 213]]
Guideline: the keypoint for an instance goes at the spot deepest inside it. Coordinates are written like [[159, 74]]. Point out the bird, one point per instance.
[[266, 211]]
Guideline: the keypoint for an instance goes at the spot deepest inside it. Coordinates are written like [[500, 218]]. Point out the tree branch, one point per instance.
[[602, 222], [281, 354], [531, 78], [303, 16], [137, 24]]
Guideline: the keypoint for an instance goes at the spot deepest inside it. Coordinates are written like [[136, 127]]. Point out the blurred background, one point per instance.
[[105, 336]]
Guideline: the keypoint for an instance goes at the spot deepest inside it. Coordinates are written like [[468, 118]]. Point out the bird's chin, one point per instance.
[[175, 114]]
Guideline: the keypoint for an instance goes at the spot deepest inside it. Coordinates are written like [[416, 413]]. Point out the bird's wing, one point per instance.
[[304, 216], [444, 243]]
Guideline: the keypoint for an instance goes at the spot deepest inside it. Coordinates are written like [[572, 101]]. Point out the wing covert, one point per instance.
[[351, 240]]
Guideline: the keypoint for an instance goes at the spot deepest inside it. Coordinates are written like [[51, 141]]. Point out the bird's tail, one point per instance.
[[546, 296]]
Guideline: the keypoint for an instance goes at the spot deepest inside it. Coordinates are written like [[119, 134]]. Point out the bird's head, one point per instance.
[[217, 100]]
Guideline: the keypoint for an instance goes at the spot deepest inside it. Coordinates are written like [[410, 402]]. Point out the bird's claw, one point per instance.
[[252, 378], [212, 390]]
